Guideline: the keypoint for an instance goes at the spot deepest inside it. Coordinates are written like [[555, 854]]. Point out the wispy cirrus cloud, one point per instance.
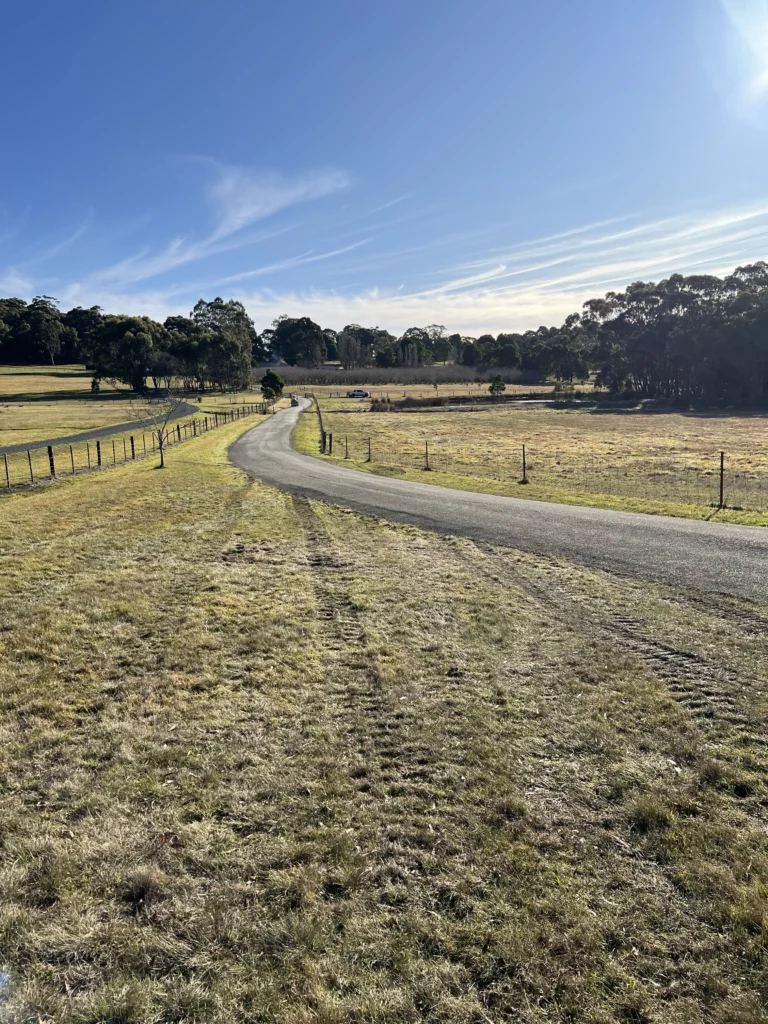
[[291, 263], [543, 280], [17, 279], [52, 251], [242, 197], [468, 279], [239, 198], [516, 287], [387, 205], [13, 282]]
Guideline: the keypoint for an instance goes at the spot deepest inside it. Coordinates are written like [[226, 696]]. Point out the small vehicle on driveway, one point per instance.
[[358, 393]]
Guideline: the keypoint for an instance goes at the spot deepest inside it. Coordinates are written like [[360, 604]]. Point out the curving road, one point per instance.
[[715, 557], [184, 409]]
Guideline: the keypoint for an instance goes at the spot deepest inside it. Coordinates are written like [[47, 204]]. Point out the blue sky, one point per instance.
[[487, 165]]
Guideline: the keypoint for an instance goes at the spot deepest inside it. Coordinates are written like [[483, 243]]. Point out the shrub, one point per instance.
[[272, 385]]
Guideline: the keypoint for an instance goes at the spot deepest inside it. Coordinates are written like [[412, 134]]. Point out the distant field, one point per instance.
[[652, 462], [37, 403], [25, 423], [68, 381], [266, 760], [394, 392]]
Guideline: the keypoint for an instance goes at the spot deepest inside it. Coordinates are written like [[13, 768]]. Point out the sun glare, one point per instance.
[[749, 19]]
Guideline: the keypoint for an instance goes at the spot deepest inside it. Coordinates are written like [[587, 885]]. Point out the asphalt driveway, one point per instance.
[[715, 557]]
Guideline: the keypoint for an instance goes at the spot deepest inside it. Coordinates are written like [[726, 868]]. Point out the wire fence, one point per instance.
[[44, 463], [694, 479], [398, 399]]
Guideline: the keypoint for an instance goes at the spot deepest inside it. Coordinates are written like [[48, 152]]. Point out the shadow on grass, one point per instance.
[[753, 412], [29, 397], [45, 371]]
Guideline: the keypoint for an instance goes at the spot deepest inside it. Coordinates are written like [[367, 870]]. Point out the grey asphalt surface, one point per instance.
[[184, 409], [712, 557]]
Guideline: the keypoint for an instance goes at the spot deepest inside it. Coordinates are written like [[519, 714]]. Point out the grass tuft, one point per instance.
[[263, 759]]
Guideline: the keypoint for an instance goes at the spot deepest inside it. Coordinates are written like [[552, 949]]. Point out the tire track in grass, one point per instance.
[[396, 840], [348, 682], [396, 764], [725, 608], [710, 692], [706, 692]]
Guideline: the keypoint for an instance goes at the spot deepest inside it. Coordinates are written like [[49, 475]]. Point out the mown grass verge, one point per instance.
[[267, 760]]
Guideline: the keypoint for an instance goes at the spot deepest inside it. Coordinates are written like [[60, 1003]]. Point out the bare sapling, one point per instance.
[[160, 409]]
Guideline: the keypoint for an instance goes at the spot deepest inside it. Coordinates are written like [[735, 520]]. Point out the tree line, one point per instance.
[[214, 347], [695, 337]]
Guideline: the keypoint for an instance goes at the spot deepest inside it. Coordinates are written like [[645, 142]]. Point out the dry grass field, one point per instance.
[[49, 382], [266, 760], [36, 404], [395, 392], [664, 463], [39, 402]]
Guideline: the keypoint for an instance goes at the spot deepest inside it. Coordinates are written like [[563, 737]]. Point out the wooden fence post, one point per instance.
[[346, 446], [31, 471], [98, 453], [525, 468], [722, 479], [426, 455], [88, 453], [144, 442], [72, 459], [51, 462], [114, 456], [125, 452], [7, 474], [369, 450]]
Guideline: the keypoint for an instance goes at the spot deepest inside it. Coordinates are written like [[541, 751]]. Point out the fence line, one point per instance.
[[716, 485], [55, 462], [323, 435]]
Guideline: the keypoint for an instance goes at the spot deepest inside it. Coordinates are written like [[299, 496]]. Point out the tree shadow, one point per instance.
[[28, 397], [713, 413], [52, 371]]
